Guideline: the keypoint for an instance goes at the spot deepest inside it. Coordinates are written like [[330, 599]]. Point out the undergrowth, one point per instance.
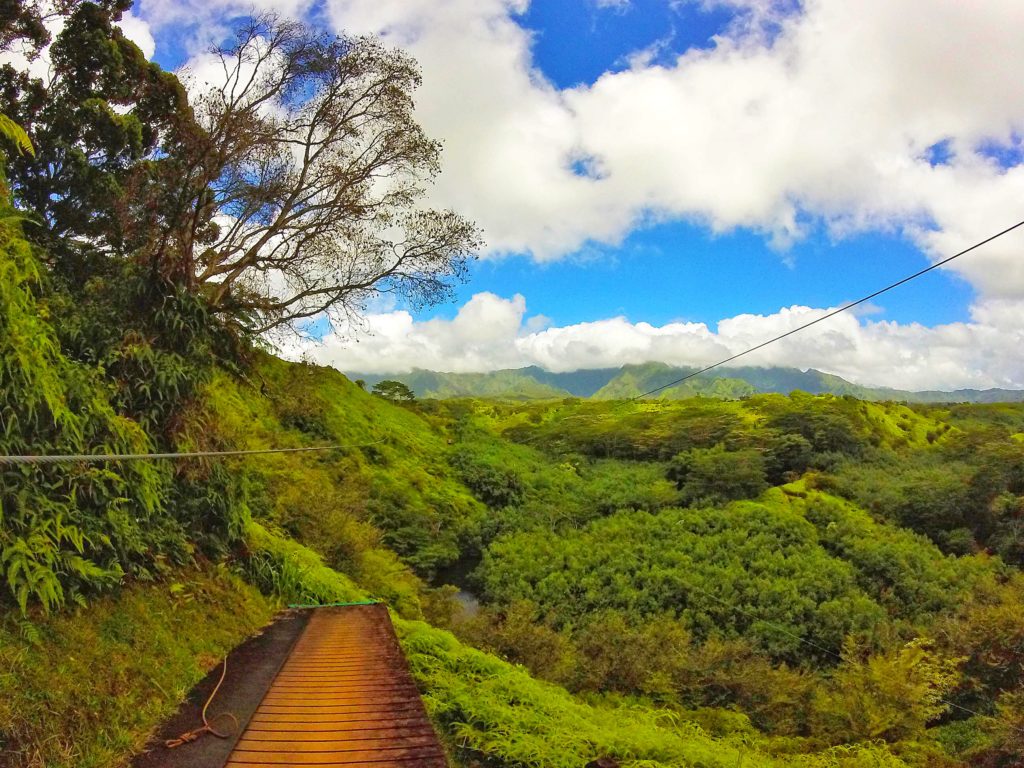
[[83, 689]]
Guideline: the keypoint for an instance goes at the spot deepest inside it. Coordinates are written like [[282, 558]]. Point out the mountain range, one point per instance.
[[535, 383]]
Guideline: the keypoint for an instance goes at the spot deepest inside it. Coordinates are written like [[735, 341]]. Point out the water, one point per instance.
[[458, 575], [468, 602]]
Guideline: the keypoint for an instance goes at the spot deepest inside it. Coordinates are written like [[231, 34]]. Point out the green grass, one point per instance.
[[392, 490], [84, 689], [493, 713]]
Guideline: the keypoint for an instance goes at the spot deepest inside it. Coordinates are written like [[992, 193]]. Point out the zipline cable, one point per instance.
[[833, 313], [100, 457]]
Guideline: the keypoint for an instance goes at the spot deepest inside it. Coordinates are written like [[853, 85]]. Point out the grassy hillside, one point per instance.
[[669, 675], [83, 689], [392, 469], [802, 580]]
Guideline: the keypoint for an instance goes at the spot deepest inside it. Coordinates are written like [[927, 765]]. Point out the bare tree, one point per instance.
[[304, 196]]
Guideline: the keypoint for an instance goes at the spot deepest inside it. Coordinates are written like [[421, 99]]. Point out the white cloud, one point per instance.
[[137, 30], [829, 117], [615, 5], [821, 113], [490, 332]]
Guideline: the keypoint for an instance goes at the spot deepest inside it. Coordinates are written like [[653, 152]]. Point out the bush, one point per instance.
[[69, 528], [709, 476]]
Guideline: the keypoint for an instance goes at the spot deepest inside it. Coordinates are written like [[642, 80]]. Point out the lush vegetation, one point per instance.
[[749, 579], [82, 689]]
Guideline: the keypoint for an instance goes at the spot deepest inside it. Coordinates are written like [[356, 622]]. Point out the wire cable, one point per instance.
[[833, 313], [100, 457]]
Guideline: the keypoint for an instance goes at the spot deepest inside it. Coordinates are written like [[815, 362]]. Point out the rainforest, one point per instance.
[[716, 579]]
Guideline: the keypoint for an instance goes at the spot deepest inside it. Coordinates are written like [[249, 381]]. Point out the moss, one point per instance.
[[84, 689]]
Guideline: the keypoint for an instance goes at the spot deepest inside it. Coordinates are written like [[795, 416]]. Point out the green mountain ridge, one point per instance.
[[629, 381]]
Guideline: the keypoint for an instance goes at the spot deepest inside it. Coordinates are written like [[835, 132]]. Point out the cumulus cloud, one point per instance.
[[823, 111], [137, 30], [491, 332], [829, 117]]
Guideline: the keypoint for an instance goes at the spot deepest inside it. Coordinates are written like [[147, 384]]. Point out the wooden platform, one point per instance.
[[343, 697]]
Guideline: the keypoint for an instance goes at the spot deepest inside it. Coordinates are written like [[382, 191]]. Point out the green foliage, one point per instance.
[[96, 120], [288, 570], [494, 482], [84, 689], [891, 696], [905, 571], [395, 391], [16, 135], [495, 713], [786, 457], [637, 431], [751, 570], [101, 114], [393, 488], [708, 476], [65, 529], [962, 495]]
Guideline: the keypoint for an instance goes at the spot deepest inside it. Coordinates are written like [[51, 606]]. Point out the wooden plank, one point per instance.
[[344, 697], [318, 732], [336, 757], [397, 762], [350, 743], [408, 712]]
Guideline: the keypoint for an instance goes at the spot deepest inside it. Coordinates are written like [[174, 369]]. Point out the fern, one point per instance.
[[16, 135]]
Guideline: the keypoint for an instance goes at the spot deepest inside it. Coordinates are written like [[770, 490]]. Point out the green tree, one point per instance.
[[101, 122], [395, 391], [786, 456], [890, 696], [716, 475]]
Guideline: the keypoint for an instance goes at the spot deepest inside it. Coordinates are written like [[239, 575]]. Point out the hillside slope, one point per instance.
[[108, 567], [533, 383]]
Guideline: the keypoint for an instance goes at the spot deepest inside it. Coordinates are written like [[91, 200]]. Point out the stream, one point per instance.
[[458, 575]]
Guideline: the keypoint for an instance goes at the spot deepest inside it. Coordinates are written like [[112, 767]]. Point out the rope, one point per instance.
[[99, 457], [193, 735], [335, 605]]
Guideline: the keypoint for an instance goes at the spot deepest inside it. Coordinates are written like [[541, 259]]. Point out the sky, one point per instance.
[[677, 180]]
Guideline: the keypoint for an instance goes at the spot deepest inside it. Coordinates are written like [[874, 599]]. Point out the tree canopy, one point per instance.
[[291, 185], [312, 171], [394, 390]]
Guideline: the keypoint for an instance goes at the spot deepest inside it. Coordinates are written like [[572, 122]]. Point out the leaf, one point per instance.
[[16, 135]]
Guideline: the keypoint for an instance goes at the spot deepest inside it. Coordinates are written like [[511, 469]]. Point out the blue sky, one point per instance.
[[678, 180], [680, 270]]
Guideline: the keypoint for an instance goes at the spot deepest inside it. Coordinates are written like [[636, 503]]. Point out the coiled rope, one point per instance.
[[193, 735]]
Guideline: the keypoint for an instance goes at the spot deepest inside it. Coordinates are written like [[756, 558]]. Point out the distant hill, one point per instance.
[[534, 383]]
